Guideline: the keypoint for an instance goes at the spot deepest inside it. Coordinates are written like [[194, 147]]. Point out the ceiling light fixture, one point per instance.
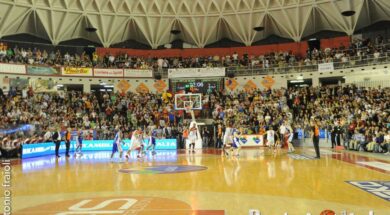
[[175, 32], [258, 28], [348, 13]]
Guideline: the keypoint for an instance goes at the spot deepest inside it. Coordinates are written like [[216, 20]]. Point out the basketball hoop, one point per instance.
[[188, 106], [188, 109]]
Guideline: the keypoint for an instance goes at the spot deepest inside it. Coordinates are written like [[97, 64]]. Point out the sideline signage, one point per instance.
[[251, 140], [42, 149]]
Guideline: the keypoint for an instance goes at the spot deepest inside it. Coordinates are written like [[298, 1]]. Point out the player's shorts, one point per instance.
[[290, 138], [136, 146], [234, 145], [192, 139], [271, 142], [116, 147]]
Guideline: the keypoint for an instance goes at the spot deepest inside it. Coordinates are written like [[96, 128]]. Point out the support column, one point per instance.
[[87, 87]]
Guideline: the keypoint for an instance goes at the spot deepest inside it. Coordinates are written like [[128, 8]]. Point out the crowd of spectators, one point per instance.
[[355, 117], [358, 50], [358, 116]]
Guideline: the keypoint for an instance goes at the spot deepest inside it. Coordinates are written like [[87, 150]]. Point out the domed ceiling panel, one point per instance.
[[200, 22]]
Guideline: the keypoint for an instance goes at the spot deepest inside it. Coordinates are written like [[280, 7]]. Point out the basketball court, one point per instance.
[[205, 182]]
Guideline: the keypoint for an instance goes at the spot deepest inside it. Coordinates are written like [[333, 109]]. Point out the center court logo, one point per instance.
[[164, 169], [115, 205]]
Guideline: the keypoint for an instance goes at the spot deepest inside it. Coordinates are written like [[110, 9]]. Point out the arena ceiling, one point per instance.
[[200, 22]]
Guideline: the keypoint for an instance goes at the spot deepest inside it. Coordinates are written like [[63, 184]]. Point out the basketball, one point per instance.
[[327, 212]]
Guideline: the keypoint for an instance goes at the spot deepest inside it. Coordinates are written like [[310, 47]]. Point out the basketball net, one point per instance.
[[188, 107]]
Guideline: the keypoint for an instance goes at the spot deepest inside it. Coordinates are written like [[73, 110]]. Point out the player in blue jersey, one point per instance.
[[152, 141], [116, 145], [236, 142], [79, 142]]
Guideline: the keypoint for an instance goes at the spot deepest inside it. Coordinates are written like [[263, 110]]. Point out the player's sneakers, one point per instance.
[[127, 156]]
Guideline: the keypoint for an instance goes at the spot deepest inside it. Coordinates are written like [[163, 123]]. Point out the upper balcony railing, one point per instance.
[[286, 68], [352, 62], [235, 68]]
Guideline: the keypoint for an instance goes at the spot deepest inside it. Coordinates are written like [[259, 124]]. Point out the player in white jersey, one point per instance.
[[137, 143], [192, 137], [117, 145], [270, 137], [228, 138], [289, 136]]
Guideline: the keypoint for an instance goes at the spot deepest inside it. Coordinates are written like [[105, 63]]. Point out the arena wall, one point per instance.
[[371, 76]]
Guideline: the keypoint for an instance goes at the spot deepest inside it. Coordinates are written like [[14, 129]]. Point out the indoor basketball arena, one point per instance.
[[195, 107]]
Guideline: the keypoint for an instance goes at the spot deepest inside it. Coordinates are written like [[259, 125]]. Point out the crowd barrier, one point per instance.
[[43, 149]]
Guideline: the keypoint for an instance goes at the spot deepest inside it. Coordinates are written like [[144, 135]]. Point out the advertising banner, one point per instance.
[[76, 71], [196, 72], [12, 68], [108, 73], [251, 140], [42, 149], [48, 162], [138, 73], [326, 67], [19, 83], [40, 86], [42, 70]]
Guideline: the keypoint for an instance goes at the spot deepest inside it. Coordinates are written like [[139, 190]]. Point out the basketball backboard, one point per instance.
[[185, 101]]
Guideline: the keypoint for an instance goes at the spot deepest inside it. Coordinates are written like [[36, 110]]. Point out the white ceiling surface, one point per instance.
[[201, 22]]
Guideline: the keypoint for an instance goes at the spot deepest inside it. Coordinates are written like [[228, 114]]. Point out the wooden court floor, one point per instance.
[[204, 182]]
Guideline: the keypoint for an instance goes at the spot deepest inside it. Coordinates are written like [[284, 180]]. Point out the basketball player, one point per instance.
[[316, 137], [289, 136], [236, 142], [192, 136], [271, 137], [136, 143], [152, 142], [116, 145], [79, 141], [228, 138]]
